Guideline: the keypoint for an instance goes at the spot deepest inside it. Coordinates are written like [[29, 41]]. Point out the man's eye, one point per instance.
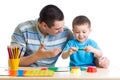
[[77, 32]]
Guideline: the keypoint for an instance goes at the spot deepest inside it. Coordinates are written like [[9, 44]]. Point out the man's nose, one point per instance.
[[60, 30]]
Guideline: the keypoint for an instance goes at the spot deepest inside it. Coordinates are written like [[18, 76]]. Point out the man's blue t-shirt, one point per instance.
[[81, 57]]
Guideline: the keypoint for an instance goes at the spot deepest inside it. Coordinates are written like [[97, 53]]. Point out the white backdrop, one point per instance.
[[104, 15]]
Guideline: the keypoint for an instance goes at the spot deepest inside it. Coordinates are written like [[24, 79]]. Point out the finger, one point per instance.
[[104, 65], [57, 50], [101, 58], [73, 49], [42, 46]]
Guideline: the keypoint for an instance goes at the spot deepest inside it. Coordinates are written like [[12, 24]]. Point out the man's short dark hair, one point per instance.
[[49, 14]]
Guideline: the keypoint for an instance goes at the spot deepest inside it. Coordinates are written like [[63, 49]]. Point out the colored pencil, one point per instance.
[[80, 49], [14, 52]]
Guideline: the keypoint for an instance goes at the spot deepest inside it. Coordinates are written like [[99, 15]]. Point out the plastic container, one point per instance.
[[92, 69]]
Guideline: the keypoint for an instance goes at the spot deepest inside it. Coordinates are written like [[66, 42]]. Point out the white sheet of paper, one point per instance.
[[4, 71]]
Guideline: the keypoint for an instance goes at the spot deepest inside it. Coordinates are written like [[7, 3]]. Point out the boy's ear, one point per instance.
[[90, 30]]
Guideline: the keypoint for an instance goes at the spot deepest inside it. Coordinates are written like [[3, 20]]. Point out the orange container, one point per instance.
[[13, 72]]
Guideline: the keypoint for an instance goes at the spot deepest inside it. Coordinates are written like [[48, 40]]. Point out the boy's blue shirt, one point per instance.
[[81, 57]]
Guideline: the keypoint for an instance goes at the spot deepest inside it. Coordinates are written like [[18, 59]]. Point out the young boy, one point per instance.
[[82, 50]]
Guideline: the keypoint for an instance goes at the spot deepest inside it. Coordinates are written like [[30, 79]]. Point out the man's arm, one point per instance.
[[28, 60], [102, 62], [40, 54]]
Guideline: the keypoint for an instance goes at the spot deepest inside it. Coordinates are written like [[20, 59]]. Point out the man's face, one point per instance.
[[57, 28]]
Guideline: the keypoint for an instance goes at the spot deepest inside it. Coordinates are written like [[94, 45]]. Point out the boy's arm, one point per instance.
[[97, 53], [65, 54]]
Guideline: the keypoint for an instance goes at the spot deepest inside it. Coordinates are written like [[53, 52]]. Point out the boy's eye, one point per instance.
[[84, 31]]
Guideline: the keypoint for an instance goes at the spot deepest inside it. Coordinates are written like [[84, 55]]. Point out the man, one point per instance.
[[42, 39]]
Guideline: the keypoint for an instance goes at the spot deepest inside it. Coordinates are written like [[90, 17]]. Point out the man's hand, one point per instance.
[[103, 62], [47, 53]]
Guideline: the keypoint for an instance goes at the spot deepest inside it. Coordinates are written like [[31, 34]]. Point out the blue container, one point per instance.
[[20, 73]]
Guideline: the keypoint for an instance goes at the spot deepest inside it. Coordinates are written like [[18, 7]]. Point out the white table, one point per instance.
[[101, 74]]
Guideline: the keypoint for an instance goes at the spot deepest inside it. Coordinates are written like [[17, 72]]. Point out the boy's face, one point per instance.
[[81, 32]]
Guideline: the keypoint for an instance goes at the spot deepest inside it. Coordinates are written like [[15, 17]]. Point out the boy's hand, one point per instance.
[[72, 50], [89, 49]]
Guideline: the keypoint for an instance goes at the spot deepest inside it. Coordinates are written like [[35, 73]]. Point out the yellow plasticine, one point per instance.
[[75, 70], [41, 73]]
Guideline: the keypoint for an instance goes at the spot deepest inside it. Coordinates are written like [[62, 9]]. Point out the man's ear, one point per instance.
[[72, 30], [44, 25]]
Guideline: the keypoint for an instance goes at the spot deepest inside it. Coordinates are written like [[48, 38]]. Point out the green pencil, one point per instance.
[[80, 49]]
